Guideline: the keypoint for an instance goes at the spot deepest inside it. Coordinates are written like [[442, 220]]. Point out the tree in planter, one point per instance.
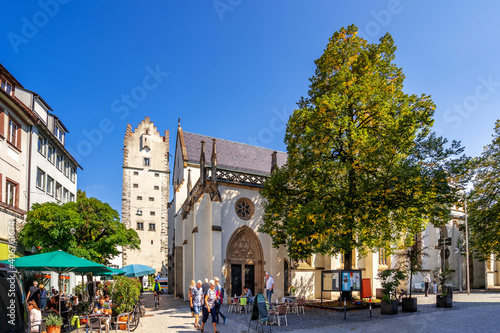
[[410, 256], [390, 279], [443, 276]]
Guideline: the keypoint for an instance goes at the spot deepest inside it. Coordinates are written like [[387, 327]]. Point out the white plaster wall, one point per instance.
[[38, 195]]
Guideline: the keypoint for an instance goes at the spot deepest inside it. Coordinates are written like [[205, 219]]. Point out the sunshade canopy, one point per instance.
[[135, 270], [113, 272], [59, 262]]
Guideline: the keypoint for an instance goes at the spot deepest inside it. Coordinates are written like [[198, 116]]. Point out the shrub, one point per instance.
[[443, 276], [390, 280], [53, 320], [124, 294]]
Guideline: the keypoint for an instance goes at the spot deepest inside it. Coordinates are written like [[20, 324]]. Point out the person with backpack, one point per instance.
[[218, 304]]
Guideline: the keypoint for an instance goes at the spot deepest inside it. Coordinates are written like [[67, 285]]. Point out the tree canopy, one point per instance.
[[364, 169], [484, 200], [87, 228]]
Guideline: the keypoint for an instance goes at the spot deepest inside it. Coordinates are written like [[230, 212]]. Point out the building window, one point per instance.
[[139, 198], [6, 86], [382, 257], [59, 133], [136, 173], [59, 162], [71, 197], [146, 161], [42, 145], [151, 242], [40, 179], [136, 185], [157, 175], [66, 169], [72, 174], [140, 225], [152, 213], [14, 135], [156, 187], [50, 185], [152, 227], [244, 208], [151, 199], [12, 193], [65, 196], [58, 191], [51, 156]]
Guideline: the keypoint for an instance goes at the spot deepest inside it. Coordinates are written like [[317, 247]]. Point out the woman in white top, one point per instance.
[[35, 317]]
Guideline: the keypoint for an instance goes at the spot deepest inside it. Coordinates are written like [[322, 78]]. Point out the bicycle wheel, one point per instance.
[[134, 320]]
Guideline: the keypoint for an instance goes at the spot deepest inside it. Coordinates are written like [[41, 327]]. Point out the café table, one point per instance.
[[89, 325]]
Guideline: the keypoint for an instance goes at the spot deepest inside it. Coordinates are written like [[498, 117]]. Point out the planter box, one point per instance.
[[54, 329], [444, 301], [409, 304], [389, 308]]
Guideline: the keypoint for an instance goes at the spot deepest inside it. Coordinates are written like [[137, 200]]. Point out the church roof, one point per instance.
[[232, 155]]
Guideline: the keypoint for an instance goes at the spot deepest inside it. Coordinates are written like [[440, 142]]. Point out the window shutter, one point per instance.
[[18, 136], [1, 188], [2, 123]]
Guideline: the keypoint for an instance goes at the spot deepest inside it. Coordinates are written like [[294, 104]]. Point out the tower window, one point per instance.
[[157, 187], [136, 185], [146, 161]]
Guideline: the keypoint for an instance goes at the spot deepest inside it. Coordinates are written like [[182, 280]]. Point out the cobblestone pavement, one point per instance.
[[477, 312]]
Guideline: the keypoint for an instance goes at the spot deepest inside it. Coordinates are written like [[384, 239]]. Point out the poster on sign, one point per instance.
[[346, 281]]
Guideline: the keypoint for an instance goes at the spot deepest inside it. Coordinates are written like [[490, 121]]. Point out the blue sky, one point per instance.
[[234, 69]]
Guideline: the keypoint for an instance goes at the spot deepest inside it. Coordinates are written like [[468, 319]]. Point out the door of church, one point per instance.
[[244, 263]]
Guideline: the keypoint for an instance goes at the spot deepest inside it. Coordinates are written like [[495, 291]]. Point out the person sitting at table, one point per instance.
[[103, 308], [52, 304], [35, 317], [247, 294], [107, 301]]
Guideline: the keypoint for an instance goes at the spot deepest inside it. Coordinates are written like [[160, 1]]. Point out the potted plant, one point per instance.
[[124, 294], [443, 276], [390, 280], [53, 323], [410, 260]]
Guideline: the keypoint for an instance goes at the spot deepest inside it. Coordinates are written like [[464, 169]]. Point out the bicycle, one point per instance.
[[135, 316], [401, 294], [157, 299]]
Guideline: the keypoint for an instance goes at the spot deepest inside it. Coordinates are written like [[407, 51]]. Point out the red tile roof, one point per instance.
[[232, 155]]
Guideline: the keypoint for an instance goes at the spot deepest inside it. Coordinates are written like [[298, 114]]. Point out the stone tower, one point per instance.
[[145, 193]]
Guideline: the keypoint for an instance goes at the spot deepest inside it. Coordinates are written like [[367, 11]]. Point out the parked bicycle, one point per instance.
[[135, 316], [401, 294]]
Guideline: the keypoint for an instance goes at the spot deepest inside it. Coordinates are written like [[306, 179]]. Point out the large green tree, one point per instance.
[[87, 228], [484, 199], [364, 170]]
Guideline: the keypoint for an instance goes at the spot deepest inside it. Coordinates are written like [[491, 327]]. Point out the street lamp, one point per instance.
[[459, 251], [467, 247]]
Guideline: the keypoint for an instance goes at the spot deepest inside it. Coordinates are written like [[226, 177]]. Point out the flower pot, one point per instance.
[[409, 304], [444, 301], [122, 326], [389, 308], [53, 329]]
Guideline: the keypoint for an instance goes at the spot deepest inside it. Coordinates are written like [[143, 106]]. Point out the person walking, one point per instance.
[[220, 297], [190, 295], [269, 283], [196, 302], [209, 309], [427, 281], [43, 297], [205, 286], [34, 293]]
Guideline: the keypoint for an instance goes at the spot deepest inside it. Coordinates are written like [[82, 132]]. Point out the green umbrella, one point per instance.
[[59, 262]]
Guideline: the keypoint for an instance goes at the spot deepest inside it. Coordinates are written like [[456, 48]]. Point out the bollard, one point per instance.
[[345, 309], [370, 307]]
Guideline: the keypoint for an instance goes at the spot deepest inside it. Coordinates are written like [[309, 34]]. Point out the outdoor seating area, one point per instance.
[[277, 312]]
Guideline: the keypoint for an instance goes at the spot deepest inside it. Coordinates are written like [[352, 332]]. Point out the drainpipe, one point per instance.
[[29, 169]]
